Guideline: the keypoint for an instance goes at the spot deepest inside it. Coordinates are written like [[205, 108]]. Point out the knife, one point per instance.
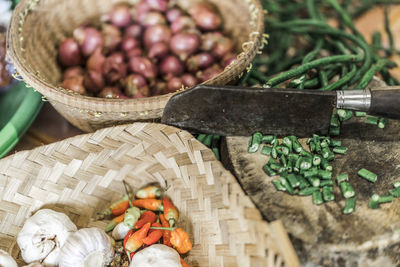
[[242, 111]]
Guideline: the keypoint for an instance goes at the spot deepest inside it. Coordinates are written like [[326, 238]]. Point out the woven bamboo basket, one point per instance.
[[83, 175], [38, 27]]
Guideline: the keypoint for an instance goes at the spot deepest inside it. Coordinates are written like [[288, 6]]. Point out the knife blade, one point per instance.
[[241, 111]]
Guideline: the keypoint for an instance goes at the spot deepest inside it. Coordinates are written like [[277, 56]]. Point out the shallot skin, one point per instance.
[[120, 16], [89, 40], [184, 44], [74, 84]]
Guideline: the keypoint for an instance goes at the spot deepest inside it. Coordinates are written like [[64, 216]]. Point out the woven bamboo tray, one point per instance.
[[38, 26], [82, 175]]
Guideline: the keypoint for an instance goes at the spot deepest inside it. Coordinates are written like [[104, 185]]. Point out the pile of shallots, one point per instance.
[[150, 49]]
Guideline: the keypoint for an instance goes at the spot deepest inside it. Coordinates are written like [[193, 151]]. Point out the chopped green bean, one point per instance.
[[308, 191], [340, 150], [287, 185], [314, 181], [311, 172], [326, 165], [287, 141], [278, 185], [374, 202], [335, 143], [305, 163], [395, 192], [317, 160], [268, 139], [317, 197], [325, 175], [343, 177], [385, 199], [347, 190], [367, 175], [350, 205], [266, 150], [372, 120], [327, 193], [293, 180], [269, 171], [283, 160], [396, 184], [326, 183], [344, 115], [326, 152], [283, 150], [360, 114], [382, 123], [303, 182], [255, 142]]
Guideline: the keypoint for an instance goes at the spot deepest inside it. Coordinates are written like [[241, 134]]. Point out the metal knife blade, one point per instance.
[[242, 111]]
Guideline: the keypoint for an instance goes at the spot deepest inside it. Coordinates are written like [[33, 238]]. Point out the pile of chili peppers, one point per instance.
[[151, 218]]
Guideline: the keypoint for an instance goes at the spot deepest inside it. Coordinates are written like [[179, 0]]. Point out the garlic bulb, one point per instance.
[[120, 231], [155, 256], [42, 236], [5, 12], [88, 247], [6, 260]]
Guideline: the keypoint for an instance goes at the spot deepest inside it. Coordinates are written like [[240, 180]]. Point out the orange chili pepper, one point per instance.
[[154, 235], [114, 222], [148, 204], [166, 233], [117, 208], [128, 235], [184, 264], [146, 217], [170, 212], [149, 192], [135, 241], [180, 241]]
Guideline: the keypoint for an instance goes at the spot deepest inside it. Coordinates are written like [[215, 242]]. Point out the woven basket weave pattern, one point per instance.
[[82, 175], [38, 27]]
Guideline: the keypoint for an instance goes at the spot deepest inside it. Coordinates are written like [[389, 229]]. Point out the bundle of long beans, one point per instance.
[[306, 52]]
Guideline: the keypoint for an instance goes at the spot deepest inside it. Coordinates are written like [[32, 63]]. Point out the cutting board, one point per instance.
[[322, 235]]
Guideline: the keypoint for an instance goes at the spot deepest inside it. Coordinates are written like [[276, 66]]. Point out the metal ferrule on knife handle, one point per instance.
[[359, 100]]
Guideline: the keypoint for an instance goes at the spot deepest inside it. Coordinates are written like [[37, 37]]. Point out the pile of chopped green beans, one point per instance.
[[304, 172], [308, 171]]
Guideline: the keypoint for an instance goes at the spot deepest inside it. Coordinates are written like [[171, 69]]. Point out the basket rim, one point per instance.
[[54, 93]]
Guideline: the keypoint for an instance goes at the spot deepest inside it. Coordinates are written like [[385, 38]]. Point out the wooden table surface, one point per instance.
[[49, 127]]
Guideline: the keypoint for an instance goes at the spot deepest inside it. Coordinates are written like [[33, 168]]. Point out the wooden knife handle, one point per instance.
[[385, 103]]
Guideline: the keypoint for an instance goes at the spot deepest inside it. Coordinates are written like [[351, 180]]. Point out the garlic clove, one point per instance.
[[120, 231], [155, 256], [6, 260], [43, 235], [87, 247]]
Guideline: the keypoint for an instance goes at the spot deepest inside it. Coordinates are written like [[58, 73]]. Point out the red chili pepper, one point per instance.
[[148, 204], [146, 217], [114, 222], [166, 233], [154, 235], [119, 207], [135, 241], [184, 264], [149, 192], [170, 212]]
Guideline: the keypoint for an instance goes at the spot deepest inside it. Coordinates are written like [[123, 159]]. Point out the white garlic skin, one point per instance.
[[156, 256], [6, 260], [42, 236], [88, 247], [120, 231]]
